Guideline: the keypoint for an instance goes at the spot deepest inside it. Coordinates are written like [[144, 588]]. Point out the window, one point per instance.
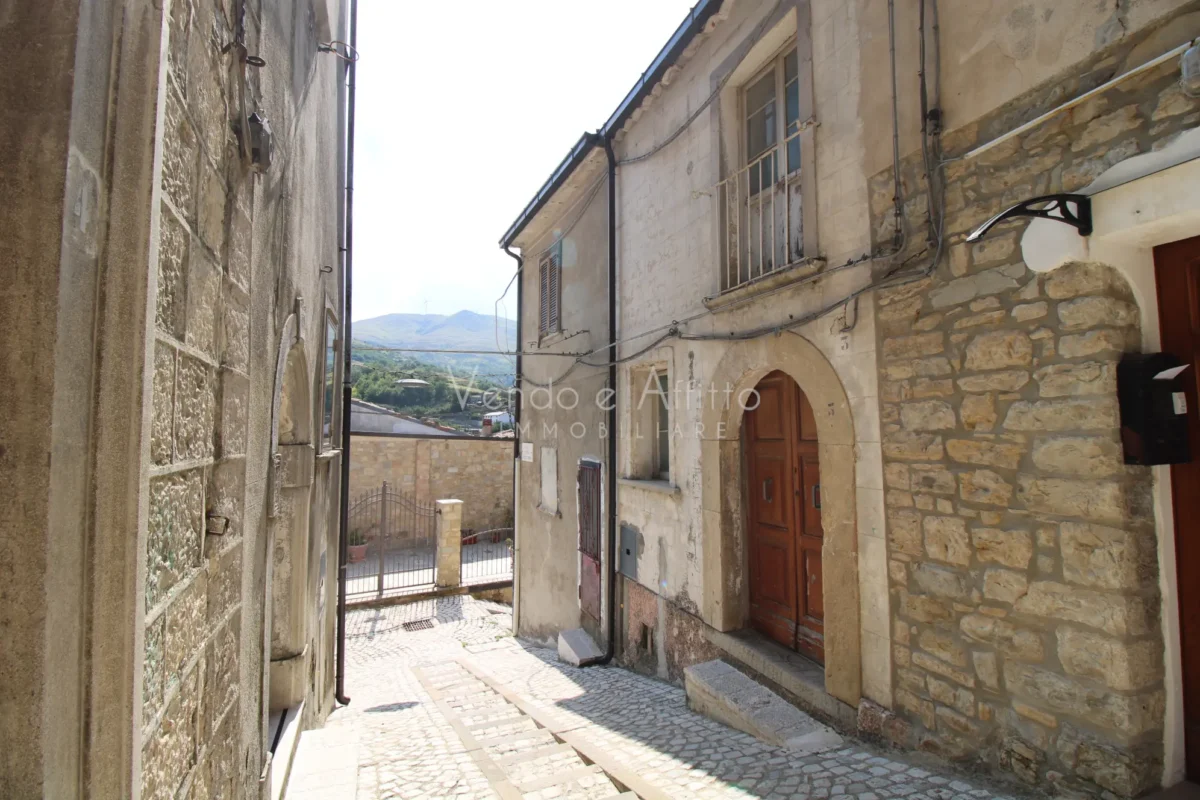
[[329, 436], [550, 281], [766, 127], [662, 420], [650, 424]]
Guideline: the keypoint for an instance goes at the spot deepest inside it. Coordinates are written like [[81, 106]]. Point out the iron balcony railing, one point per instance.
[[759, 210]]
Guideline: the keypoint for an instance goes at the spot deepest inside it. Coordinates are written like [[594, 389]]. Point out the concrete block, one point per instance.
[[577, 648], [720, 692]]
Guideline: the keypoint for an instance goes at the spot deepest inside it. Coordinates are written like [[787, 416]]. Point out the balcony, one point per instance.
[[761, 219]]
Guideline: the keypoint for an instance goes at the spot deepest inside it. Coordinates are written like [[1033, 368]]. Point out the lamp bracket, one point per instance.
[[1073, 209]]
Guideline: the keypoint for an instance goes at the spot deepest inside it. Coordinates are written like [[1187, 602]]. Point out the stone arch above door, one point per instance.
[[292, 457], [724, 534]]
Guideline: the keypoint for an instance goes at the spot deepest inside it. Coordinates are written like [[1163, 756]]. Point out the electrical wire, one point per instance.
[[754, 37]]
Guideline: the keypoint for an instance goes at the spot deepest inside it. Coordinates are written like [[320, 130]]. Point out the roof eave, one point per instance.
[[693, 24]]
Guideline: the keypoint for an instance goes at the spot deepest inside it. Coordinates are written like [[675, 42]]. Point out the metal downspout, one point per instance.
[[610, 649], [348, 271], [517, 442]]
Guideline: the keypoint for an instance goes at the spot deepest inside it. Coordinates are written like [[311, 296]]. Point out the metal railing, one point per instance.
[[398, 534], [759, 211], [487, 556]]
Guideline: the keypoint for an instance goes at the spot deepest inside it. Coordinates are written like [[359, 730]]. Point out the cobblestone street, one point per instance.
[[461, 709]]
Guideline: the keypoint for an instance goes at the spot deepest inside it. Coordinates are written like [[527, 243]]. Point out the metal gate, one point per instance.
[[394, 538]]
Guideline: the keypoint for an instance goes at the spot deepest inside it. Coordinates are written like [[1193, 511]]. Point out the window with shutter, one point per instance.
[[550, 281]]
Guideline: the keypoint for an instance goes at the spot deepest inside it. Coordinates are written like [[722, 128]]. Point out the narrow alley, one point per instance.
[[446, 703]]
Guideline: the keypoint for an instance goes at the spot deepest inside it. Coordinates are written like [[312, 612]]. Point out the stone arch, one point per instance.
[[292, 463], [724, 536]]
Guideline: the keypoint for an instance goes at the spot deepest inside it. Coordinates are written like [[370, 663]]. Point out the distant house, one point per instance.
[[369, 418]]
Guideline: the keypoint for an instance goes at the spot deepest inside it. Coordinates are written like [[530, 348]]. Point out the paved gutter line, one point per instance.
[[494, 774], [566, 776], [534, 754], [572, 734]]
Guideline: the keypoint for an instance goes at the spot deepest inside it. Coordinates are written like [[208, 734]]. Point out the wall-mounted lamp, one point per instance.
[[1071, 209], [1190, 67]]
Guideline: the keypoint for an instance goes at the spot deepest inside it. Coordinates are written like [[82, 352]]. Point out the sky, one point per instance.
[[463, 111]]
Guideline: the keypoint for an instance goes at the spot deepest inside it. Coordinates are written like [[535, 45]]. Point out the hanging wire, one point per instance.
[[754, 37]]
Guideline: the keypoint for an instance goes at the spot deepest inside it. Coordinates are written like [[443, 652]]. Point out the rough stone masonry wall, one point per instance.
[[1022, 553], [193, 590], [477, 471]]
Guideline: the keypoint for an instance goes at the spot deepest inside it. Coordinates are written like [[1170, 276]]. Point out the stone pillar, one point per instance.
[[449, 542]]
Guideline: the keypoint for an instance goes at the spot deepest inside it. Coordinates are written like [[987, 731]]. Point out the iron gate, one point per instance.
[[395, 537]]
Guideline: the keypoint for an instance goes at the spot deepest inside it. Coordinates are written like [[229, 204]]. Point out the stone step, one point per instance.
[[721, 692], [577, 648]]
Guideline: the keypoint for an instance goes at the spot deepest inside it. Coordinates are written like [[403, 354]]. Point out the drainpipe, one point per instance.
[[347, 201], [611, 649], [516, 492]]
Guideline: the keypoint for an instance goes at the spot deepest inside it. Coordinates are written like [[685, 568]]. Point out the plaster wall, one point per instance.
[[668, 265], [547, 541], [994, 54]]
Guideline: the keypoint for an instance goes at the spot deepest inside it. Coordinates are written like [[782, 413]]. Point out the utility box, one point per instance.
[[1154, 413], [627, 561]]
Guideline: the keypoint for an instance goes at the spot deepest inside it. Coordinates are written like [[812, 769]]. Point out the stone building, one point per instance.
[[168, 452], [888, 448]]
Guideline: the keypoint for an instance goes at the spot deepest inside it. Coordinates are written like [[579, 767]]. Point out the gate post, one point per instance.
[[382, 537], [449, 542]]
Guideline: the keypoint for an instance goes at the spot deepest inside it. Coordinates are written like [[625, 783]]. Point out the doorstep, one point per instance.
[[801, 680]]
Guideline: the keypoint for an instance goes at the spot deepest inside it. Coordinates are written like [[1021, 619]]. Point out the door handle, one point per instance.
[[766, 489], [816, 496]]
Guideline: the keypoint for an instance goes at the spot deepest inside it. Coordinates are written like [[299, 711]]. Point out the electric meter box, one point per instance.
[[1154, 408]]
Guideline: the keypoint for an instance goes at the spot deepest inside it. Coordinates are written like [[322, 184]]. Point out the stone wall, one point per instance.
[[1022, 554], [193, 588], [477, 471], [233, 264]]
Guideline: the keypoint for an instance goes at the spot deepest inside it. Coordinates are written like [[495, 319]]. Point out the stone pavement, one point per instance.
[[461, 709]]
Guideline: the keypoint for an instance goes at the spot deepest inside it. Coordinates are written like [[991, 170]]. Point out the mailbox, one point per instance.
[[1154, 418]]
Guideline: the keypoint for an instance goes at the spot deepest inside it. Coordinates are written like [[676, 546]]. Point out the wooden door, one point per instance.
[[784, 517], [1177, 274], [591, 520]]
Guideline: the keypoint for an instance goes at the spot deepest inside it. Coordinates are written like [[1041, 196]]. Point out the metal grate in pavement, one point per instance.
[[418, 625]]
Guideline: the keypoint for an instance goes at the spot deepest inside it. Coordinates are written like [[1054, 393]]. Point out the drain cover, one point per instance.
[[418, 625]]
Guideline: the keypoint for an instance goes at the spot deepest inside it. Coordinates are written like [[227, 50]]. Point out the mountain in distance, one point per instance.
[[464, 330]]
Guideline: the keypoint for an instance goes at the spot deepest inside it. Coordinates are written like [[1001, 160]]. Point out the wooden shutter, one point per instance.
[[550, 289], [591, 519], [544, 295], [555, 288]]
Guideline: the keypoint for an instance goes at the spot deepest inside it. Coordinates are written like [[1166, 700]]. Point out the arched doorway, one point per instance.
[[726, 493], [783, 508]]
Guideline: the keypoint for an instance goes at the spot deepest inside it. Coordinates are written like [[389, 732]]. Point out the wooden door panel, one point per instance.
[[1177, 276], [808, 424], [770, 489], [784, 524], [769, 418], [774, 577]]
